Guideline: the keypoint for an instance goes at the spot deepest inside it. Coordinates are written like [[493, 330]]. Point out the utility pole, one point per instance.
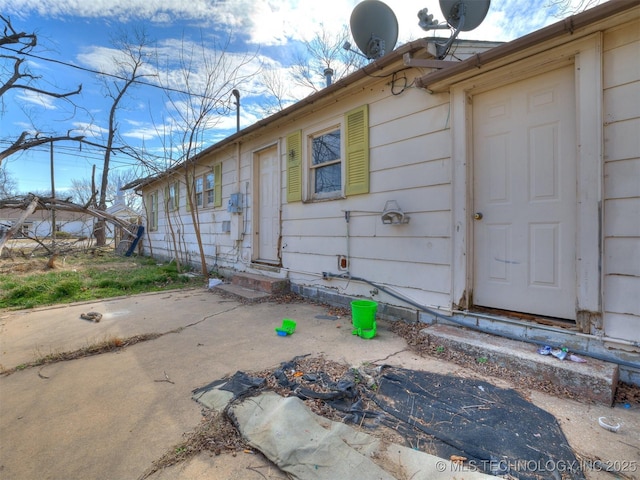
[[53, 195]]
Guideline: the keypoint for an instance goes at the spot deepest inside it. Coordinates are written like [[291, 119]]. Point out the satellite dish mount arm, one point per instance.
[[443, 48], [461, 15]]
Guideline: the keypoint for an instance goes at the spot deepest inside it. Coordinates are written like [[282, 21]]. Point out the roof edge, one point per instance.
[[567, 25]]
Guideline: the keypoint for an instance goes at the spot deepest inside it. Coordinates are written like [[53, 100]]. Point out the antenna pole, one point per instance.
[[236, 94]]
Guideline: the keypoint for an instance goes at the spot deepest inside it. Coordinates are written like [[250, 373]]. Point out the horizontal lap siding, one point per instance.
[[218, 247], [621, 225], [410, 163]]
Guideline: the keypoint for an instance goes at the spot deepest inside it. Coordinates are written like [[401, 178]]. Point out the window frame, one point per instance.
[[153, 211], [173, 196], [312, 169], [208, 194], [198, 186]]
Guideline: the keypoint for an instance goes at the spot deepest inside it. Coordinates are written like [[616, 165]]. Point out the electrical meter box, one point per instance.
[[235, 203]]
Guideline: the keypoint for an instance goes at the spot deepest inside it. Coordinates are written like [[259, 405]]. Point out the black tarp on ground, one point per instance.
[[496, 429]]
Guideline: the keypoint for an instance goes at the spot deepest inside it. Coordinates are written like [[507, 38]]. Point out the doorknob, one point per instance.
[[477, 216]]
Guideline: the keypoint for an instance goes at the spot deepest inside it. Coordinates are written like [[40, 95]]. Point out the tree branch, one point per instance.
[[22, 143]]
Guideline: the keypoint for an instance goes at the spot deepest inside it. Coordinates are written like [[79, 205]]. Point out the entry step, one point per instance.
[[254, 287], [594, 380]]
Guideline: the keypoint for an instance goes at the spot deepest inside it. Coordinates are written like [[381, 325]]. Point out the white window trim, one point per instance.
[[308, 175]]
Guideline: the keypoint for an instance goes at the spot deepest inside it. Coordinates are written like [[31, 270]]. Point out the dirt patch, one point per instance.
[[23, 265]]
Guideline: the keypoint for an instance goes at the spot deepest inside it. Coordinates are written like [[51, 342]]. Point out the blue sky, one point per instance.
[[79, 32]]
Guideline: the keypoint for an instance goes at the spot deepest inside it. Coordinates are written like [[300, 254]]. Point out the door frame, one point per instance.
[[255, 192], [586, 57]]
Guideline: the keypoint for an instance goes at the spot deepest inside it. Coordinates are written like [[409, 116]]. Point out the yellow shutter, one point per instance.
[[357, 151], [217, 185], [294, 167]]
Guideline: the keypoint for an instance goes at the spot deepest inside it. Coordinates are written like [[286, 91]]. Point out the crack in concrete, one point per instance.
[[390, 355], [112, 344]]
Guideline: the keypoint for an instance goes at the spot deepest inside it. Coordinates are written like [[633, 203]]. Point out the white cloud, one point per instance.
[[275, 22], [44, 101], [89, 129], [142, 131]]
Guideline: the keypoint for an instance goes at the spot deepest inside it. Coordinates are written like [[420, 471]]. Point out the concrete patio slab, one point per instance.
[[110, 416]]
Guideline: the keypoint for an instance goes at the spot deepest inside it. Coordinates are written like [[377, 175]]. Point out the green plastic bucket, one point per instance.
[[363, 315]]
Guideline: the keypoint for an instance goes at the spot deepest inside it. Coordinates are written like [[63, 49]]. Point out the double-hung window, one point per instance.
[[209, 188], [199, 191], [326, 164], [172, 196], [330, 163]]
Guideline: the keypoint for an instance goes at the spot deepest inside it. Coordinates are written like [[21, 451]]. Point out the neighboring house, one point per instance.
[[120, 210], [39, 223], [512, 180]]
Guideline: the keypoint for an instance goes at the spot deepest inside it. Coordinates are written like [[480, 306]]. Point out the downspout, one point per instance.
[[436, 314]]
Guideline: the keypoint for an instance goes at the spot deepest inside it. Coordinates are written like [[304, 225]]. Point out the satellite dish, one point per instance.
[[374, 28], [464, 15]]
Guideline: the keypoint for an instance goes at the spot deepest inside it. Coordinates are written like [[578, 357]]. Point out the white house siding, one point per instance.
[[621, 263], [409, 145], [39, 223], [411, 137], [219, 247]]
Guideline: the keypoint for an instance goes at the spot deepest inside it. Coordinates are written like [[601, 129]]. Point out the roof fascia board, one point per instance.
[[535, 42]]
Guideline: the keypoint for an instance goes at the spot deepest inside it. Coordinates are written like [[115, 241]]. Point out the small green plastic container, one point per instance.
[[287, 328]]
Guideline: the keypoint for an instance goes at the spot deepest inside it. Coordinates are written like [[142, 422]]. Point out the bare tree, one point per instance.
[[325, 51], [83, 189], [16, 75], [8, 184], [31, 203], [206, 78], [133, 55], [563, 8]]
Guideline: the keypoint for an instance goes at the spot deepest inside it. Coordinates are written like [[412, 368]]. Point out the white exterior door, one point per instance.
[[524, 196], [267, 234]]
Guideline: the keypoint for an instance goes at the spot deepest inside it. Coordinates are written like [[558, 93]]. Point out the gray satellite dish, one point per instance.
[[464, 15], [374, 28]]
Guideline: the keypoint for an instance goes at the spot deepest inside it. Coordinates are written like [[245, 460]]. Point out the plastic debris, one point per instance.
[[546, 350], [560, 354], [608, 425], [575, 358], [287, 328]]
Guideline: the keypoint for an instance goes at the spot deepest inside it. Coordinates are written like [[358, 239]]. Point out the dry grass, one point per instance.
[[215, 434], [110, 344]]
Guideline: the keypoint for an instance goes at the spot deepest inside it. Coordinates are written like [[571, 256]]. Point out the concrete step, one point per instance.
[[594, 380], [242, 292], [261, 283], [254, 287]]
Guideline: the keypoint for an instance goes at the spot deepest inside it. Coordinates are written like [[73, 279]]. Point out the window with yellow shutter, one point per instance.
[[334, 159]]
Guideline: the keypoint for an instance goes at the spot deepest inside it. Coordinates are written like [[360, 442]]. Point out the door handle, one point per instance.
[[477, 216]]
